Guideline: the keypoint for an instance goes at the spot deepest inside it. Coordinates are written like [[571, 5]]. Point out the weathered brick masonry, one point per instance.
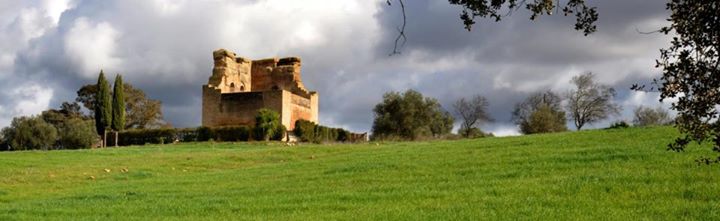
[[238, 87]]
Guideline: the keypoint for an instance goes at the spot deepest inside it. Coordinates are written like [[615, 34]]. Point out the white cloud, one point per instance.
[[92, 46], [32, 23], [168, 6], [35, 99], [647, 99], [24, 21], [29, 99], [503, 130], [55, 8]]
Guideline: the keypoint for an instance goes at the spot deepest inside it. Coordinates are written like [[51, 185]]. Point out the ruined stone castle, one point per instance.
[[239, 87]]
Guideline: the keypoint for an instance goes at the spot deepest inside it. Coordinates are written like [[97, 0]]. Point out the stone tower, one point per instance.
[[239, 87]]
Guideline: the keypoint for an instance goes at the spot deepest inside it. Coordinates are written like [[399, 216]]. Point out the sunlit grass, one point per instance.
[[602, 174]]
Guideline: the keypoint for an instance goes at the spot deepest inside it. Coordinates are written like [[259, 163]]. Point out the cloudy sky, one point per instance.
[[49, 48]]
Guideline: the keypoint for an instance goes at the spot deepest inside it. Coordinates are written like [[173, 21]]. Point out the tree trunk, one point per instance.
[[116, 139], [104, 144]]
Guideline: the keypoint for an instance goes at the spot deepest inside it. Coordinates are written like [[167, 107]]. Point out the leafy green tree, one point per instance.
[[535, 112], [65, 120], [86, 96], [77, 133], [118, 107], [267, 123], [442, 122], [54, 117], [544, 120], [473, 132], [71, 110], [410, 116], [103, 108], [589, 101], [57, 117], [585, 15], [691, 71], [30, 133]]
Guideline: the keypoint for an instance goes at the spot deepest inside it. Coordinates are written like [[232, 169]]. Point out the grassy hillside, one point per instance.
[[602, 174]]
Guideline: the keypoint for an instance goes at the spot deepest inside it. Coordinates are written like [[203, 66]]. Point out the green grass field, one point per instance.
[[590, 175]]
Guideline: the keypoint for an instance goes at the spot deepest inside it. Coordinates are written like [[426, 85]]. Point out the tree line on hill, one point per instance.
[[69, 127], [137, 120], [400, 116], [411, 116]]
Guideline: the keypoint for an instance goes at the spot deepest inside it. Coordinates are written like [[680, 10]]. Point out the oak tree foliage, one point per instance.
[[691, 71], [67, 110], [75, 130], [540, 112], [30, 133], [544, 120], [410, 115], [76, 133], [585, 16]]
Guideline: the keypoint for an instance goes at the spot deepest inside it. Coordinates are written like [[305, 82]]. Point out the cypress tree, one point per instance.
[[103, 111], [118, 107]]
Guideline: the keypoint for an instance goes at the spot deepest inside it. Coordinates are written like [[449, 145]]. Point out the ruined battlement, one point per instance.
[[239, 86]]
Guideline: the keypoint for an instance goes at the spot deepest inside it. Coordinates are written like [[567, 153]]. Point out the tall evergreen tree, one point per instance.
[[118, 107], [103, 111]]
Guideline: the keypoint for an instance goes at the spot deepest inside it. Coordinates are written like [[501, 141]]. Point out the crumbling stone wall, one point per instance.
[[238, 87], [230, 73]]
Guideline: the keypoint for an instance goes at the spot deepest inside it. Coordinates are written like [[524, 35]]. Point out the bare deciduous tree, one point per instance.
[[590, 102], [645, 116], [473, 112]]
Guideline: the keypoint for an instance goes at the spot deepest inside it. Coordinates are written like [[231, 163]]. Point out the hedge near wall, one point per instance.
[[170, 135], [308, 131]]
